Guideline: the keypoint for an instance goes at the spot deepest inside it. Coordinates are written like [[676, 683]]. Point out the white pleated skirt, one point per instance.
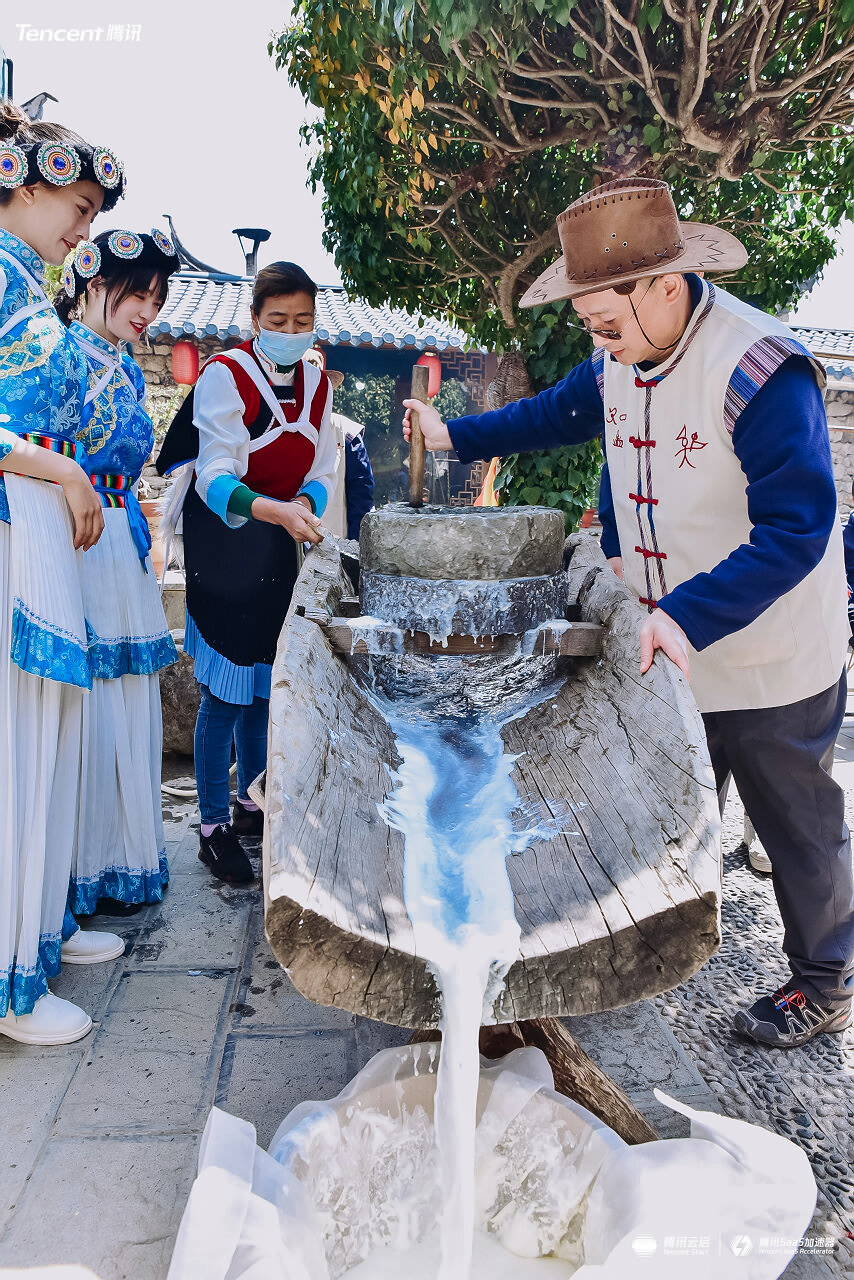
[[119, 848], [41, 622]]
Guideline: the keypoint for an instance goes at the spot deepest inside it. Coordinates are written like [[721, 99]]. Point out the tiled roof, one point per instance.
[[839, 371], [203, 306], [827, 342]]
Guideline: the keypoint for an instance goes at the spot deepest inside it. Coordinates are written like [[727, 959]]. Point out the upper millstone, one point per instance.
[[484, 543]]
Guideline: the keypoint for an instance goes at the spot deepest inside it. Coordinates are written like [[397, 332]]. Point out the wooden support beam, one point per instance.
[[571, 639], [575, 1074]]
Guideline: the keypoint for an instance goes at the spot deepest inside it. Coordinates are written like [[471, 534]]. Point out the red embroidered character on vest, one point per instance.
[[687, 446]]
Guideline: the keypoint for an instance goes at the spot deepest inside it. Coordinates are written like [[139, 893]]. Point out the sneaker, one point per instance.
[[90, 946], [787, 1018], [756, 854], [758, 858], [247, 823], [52, 1021], [222, 852]]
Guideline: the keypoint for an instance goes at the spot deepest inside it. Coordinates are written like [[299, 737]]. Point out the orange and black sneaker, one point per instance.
[[788, 1018]]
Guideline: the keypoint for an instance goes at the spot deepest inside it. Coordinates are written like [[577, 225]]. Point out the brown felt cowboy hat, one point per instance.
[[628, 230]]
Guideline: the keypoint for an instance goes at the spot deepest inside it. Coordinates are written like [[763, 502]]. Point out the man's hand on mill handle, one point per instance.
[[433, 429]]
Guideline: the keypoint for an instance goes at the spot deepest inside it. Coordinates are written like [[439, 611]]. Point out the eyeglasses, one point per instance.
[[612, 335]]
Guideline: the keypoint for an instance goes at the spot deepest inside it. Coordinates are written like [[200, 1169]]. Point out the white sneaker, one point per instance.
[[90, 946], [52, 1021], [756, 855]]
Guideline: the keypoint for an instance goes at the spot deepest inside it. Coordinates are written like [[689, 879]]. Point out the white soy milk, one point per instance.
[[453, 802]]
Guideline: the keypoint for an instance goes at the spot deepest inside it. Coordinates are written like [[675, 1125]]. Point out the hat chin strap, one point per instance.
[[654, 345]]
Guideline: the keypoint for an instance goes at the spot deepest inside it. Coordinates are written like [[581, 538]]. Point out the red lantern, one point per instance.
[[185, 364], [434, 378]]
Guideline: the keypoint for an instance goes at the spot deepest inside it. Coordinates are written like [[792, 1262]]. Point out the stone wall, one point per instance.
[[840, 418]]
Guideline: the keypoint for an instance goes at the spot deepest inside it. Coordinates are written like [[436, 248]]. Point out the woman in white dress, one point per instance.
[[52, 184], [115, 286]]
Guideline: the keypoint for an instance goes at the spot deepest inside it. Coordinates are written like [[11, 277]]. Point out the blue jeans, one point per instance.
[[218, 724]]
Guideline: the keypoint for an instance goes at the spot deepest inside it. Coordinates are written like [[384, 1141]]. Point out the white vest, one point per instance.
[[672, 442]]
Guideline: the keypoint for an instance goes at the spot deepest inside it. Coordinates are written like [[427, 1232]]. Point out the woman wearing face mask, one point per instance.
[[52, 184], [115, 287], [263, 475]]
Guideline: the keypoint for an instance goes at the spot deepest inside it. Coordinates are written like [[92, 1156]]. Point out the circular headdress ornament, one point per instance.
[[13, 166], [125, 244], [59, 163], [163, 243], [107, 169], [87, 259], [69, 282]]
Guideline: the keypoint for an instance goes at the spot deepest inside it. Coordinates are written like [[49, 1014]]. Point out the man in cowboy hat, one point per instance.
[[724, 526]]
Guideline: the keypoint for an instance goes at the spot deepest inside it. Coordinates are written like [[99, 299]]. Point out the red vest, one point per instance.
[[278, 469]]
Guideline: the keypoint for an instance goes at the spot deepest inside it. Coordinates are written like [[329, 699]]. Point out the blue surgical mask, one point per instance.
[[285, 348]]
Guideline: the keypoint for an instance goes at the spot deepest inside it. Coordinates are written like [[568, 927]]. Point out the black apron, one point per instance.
[[239, 581]]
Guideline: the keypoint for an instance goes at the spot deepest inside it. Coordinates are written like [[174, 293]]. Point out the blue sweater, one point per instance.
[[791, 496]]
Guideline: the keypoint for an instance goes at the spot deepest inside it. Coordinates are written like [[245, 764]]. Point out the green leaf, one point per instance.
[[580, 49], [531, 495], [654, 17]]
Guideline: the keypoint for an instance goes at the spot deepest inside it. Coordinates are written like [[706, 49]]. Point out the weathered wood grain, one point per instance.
[[618, 903]]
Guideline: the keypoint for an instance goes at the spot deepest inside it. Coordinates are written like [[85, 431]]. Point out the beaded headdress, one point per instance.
[[106, 256], [60, 164]]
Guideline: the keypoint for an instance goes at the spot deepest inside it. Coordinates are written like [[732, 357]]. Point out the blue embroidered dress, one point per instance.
[[120, 852], [43, 647]]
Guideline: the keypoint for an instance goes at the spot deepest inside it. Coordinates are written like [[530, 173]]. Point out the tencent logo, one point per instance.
[[644, 1246]]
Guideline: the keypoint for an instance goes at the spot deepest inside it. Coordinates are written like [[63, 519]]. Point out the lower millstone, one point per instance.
[[464, 607]]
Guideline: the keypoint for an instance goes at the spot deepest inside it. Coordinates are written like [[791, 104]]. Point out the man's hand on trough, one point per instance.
[[433, 429], [661, 632]]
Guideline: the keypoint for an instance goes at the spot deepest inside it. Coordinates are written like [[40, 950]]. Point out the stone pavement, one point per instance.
[[100, 1138]]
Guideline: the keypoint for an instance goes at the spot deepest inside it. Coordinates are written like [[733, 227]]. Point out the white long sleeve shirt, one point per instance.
[[224, 440]]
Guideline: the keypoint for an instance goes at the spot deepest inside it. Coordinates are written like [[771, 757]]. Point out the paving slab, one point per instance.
[[110, 1204], [154, 1061], [265, 1075], [268, 999], [29, 1101], [201, 923]]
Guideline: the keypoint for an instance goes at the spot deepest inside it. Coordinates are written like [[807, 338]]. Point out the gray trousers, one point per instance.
[[780, 759]]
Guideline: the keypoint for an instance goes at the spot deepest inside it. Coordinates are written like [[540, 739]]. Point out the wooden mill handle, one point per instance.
[[420, 383]]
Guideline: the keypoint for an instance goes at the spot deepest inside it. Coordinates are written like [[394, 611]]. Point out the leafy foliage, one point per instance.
[[565, 478], [450, 133]]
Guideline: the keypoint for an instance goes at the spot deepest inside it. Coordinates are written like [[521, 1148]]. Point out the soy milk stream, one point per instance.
[[453, 801]]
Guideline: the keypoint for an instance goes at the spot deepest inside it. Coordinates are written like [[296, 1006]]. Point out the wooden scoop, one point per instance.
[[420, 382]]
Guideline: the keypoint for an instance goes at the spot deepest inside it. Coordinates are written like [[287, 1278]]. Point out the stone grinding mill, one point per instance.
[[622, 908]]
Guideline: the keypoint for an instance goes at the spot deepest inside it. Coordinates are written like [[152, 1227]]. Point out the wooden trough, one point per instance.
[[621, 906]]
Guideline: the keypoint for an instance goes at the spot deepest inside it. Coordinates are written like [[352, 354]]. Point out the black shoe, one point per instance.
[[223, 853], [112, 907], [247, 823], [787, 1018]]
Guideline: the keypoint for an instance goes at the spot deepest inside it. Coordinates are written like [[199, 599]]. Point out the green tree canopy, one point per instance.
[[451, 132]]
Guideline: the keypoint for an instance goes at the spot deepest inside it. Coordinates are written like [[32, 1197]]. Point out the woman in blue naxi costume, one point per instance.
[[52, 184], [113, 288]]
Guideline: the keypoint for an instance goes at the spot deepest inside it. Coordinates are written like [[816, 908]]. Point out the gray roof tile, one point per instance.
[[205, 306]]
